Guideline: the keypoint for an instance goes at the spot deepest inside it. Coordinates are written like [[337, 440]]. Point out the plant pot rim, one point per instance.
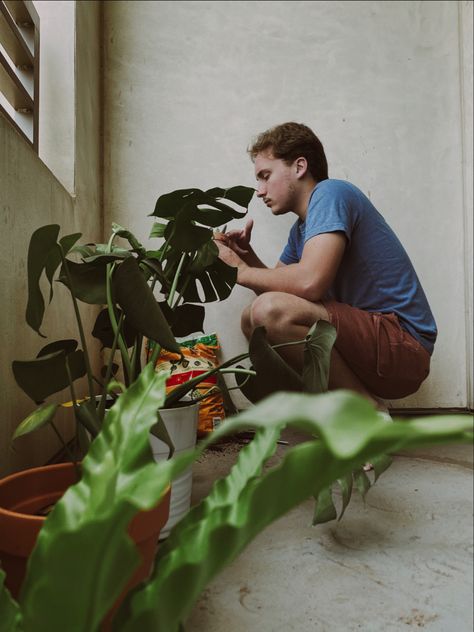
[[31, 471], [26, 474]]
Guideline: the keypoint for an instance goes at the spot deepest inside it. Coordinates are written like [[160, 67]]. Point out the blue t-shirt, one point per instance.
[[375, 273]]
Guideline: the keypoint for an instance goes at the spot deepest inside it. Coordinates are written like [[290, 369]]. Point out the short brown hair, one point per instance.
[[288, 142]]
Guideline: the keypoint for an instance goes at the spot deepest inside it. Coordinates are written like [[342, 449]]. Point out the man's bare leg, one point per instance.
[[286, 318]]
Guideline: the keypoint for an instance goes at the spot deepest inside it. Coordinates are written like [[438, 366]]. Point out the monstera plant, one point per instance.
[[123, 275], [87, 530]]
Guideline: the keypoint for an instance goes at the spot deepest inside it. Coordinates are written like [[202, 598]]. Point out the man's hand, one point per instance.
[[227, 255], [237, 240]]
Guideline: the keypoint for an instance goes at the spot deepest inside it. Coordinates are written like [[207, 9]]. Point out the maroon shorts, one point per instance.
[[386, 358]]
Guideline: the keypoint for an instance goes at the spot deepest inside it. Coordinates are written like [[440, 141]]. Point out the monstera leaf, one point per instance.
[[273, 373], [49, 372], [104, 332], [215, 211], [184, 319], [213, 283], [317, 357], [138, 302], [87, 281], [42, 243]]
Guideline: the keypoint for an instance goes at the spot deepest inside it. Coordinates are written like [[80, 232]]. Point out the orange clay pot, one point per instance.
[[27, 492]]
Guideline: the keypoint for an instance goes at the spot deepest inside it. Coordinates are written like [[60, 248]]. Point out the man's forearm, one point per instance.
[[286, 278], [251, 259]]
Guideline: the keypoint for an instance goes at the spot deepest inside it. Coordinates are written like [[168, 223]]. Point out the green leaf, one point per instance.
[[184, 236], [208, 538], [88, 282], [130, 237], [324, 510], [248, 385], [42, 242], [52, 264], [229, 406], [86, 415], [239, 194], [362, 482], [10, 619], [207, 254], [220, 281], [209, 292], [66, 243], [38, 418], [105, 258], [273, 373], [158, 230], [217, 212], [68, 346], [83, 250], [317, 356], [153, 264], [83, 541], [160, 431], [140, 306], [380, 464], [345, 483], [104, 332], [187, 319], [169, 204], [217, 281], [120, 478], [249, 465], [47, 374]]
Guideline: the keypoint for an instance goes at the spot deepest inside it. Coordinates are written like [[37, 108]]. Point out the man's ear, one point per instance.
[[301, 165]]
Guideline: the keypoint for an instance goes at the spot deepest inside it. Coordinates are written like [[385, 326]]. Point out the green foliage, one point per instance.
[[317, 357], [185, 268], [83, 542], [50, 373]]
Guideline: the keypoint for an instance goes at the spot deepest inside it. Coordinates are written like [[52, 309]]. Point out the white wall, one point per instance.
[[188, 84]]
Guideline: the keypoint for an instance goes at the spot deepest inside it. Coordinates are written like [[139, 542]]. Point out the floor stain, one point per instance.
[[418, 618]]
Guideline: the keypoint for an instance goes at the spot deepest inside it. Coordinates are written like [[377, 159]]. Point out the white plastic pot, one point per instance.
[[181, 424]]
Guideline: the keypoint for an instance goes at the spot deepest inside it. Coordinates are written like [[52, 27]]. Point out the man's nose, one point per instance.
[[260, 191]]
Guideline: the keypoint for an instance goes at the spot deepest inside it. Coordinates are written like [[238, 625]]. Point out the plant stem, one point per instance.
[[176, 278], [289, 344], [79, 324], [165, 247], [182, 389], [244, 371], [115, 327], [155, 353], [113, 318], [75, 405], [108, 374], [71, 456]]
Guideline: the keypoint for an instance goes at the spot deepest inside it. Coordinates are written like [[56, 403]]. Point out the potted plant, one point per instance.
[[123, 279], [87, 529]]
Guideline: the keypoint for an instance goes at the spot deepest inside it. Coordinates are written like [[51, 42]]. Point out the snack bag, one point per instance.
[[200, 355]]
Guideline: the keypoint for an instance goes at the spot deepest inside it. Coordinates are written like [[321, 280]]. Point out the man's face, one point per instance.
[[276, 183]]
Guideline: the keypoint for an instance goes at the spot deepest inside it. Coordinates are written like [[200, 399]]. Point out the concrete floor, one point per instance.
[[401, 561]]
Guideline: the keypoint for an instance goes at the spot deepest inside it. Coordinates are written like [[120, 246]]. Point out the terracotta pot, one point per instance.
[[25, 493]]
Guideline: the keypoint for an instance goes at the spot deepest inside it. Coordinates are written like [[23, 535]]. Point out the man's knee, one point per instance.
[[279, 309], [246, 322], [266, 309]]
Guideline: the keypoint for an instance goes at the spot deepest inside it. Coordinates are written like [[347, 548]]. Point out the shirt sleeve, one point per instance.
[[290, 253], [329, 212]]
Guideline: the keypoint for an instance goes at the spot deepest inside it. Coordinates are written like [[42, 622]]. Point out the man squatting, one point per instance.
[[342, 264]]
